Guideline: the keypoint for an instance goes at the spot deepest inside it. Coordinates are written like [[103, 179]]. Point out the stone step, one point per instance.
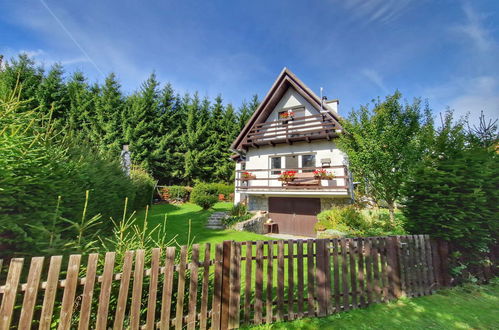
[[215, 227]]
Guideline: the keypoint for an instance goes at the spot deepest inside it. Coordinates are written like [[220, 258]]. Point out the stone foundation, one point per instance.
[[258, 203], [329, 203], [255, 224]]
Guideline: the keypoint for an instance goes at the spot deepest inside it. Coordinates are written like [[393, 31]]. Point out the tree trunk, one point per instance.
[[391, 210]]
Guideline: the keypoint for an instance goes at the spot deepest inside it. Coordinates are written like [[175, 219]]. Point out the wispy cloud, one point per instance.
[[376, 10], [376, 78], [474, 28]]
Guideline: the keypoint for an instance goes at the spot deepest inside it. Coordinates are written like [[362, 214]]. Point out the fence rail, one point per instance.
[[220, 287]]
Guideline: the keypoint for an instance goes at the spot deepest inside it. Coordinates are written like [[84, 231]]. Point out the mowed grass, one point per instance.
[[177, 224], [469, 307]]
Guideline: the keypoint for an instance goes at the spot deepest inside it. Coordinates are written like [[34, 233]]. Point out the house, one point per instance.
[[287, 160]]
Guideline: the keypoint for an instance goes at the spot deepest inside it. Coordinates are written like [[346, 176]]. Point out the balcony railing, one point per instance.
[[290, 130], [269, 179]]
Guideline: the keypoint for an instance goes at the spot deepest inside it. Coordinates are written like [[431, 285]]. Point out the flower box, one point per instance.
[[287, 176], [322, 174], [247, 176]]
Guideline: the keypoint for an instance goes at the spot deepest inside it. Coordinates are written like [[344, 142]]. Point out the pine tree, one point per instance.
[[108, 110], [52, 94], [23, 72], [142, 113], [81, 105]]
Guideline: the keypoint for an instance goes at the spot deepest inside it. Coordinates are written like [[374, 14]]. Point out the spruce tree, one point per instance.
[[108, 110], [52, 94], [142, 113]]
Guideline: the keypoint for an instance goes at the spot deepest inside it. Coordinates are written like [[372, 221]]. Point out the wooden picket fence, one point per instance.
[[237, 283]]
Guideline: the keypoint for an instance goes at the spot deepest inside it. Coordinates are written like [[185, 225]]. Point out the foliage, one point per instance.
[[233, 219], [44, 175], [178, 139], [178, 193], [203, 200], [144, 187], [383, 145], [355, 222], [238, 210], [287, 176], [454, 195]]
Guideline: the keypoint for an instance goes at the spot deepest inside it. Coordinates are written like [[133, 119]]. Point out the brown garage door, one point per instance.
[[296, 216]]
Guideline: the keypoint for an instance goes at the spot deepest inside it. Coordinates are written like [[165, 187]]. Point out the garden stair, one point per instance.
[[215, 221]]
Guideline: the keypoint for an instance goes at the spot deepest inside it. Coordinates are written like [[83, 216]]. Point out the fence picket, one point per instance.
[[301, 280], [291, 279], [368, 261], [247, 286], [181, 288], [10, 292], [376, 277], [384, 270], [336, 276], [105, 291], [50, 292], [235, 286], [353, 272], [344, 274], [69, 291], [138, 278], [217, 287], [203, 319], [119, 316], [280, 280], [31, 292], [360, 261], [193, 288], [310, 278], [153, 289], [258, 283], [270, 274], [88, 291], [429, 263]]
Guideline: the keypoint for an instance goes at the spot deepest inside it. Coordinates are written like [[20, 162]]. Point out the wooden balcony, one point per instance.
[[307, 128], [268, 180]]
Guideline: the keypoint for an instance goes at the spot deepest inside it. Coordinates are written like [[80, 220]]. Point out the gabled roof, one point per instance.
[[285, 80]]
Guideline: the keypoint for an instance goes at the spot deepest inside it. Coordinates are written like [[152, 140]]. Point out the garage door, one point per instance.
[[296, 216]]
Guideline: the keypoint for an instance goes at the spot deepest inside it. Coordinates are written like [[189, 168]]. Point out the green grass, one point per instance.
[[177, 224], [469, 307]]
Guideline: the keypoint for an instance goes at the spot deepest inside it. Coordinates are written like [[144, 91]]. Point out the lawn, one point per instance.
[[177, 224], [469, 307]]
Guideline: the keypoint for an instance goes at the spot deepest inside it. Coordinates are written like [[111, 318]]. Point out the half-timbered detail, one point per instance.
[[288, 150]]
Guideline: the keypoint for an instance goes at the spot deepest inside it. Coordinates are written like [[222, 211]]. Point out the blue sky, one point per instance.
[[446, 51]]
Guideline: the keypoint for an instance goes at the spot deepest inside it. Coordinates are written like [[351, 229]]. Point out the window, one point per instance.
[[275, 162], [307, 161]]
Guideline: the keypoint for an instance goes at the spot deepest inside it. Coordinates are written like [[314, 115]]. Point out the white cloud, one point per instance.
[[474, 29], [376, 10], [468, 96], [376, 78]]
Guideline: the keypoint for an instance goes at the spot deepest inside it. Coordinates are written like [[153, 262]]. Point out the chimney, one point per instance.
[[333, 104]]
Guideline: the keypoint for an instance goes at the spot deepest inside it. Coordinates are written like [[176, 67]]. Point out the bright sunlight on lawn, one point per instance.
[[177, 224], [469, 307]]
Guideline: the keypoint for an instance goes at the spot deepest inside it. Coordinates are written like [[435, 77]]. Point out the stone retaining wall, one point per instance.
[[255, 224]]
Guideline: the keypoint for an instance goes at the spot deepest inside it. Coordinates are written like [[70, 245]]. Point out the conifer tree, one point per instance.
[[52, 94], [81, 105], [142, 121], [108, 108]]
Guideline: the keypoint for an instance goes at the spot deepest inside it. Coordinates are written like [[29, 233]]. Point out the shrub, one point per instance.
[[144, 187], [230, 220], [238, 210], [178, 193], [355, 222], [203, 200]]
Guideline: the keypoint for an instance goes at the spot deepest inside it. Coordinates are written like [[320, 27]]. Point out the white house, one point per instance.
[[292, 130]]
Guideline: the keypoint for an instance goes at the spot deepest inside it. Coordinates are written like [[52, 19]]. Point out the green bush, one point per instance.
[[230, 220], [238, 210], [178, 193], [39, 163], [144, 185], [355, 222], [203, 200]]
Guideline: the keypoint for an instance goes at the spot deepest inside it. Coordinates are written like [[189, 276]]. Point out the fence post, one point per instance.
[[224, 308], [394, 266], [443, 251]]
